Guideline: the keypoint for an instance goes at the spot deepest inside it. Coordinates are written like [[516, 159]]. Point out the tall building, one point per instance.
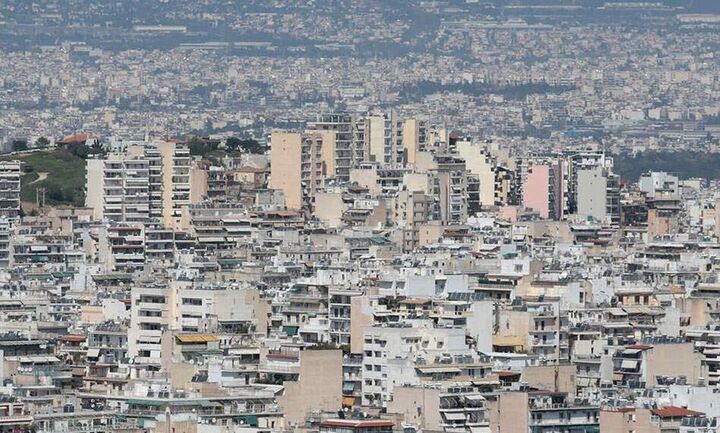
[[349, 149], [481, 164], [300, 165], [183, 182], [450, 189], [152, 182], [10, 172], [594, 190], [414, 138], [149, 317], [544, 188], [384, 135], [118, 188]]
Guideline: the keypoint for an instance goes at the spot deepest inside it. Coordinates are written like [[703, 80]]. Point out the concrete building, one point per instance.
[[118, 188], [318, 386], [414, 138], [155, 181], [10, 173], [300, 164], [544, 189], [350, 142]]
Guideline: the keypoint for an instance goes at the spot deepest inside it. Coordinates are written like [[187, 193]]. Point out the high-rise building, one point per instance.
[[118, 188], [544, 188], [481, 164], [414, 138], [349, 149], [151, 182], [593, 189], [450, 189], [384, 137], [10, 172], [300, 164]]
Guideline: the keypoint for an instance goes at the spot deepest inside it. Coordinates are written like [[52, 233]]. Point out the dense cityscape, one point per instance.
[[455, 216]]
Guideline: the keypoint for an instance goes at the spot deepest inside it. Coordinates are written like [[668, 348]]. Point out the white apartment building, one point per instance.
[[10, 172], [151, 182]]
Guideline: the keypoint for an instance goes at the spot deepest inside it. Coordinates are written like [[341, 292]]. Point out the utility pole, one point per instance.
[[40, 198]]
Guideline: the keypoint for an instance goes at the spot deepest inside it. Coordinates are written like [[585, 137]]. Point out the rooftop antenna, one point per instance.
[[40, 198]]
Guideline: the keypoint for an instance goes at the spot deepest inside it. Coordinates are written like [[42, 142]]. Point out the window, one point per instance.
[[192, 301]]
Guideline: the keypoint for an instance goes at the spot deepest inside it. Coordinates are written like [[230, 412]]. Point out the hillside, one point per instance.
[[61, 173], [684, 164]]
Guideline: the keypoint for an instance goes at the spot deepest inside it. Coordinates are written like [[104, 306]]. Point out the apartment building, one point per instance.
[[301, 162], [150, 316], [350, 142], [118, 188], [10, 173], [154, 181]]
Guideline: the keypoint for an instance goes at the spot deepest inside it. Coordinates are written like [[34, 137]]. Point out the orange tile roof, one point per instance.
[[674, 412]]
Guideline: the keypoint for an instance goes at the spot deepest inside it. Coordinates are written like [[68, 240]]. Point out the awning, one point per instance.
[[454, 416], [629, 364], [348, 387], [475, 397], [290, 330], [211, 239], [197, 338], [439, 369], [93, 353], [584, 381], [38, 359], [146, 402]]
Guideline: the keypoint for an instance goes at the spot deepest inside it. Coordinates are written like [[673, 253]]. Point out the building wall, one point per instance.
[[329, 208], [674, 360], [479, 162], [536, 190], [633, 421], [327, 154], [592, 193], [198, 184], [480, 325], [376, 137], [419, 406], [285, 171], [660, 225], [94, 182], [410, 139], [509, 413], [543, 377], [318, 388], [360, 317]]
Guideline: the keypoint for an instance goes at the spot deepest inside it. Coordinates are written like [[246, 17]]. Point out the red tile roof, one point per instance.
[[78, 138], [640, 347], [674, 412], [73, 338]]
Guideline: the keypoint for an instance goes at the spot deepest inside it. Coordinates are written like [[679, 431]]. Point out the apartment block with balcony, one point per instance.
[[150, 315], [10, 173]]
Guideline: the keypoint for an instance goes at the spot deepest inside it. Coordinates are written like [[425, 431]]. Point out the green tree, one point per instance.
[[19, 145], [197, 146], [251, 145], [80, 150], [42, 143], [97, 148], [233, 143]]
